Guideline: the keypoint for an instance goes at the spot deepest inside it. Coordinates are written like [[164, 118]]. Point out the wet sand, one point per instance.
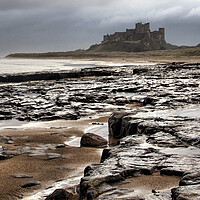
[[42, 169], [50, 171], [146, 185]]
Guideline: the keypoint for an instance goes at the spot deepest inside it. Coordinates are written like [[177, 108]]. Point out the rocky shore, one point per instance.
[[160, 137], [154, 129]]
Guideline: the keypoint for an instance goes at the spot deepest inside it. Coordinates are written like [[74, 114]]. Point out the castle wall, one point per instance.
[[141, 32]]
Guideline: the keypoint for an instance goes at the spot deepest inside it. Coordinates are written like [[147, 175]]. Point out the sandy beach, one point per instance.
[[47, 171]]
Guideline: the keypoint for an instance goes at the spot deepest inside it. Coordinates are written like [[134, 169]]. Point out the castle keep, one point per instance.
[[141, 32], [133, 40]]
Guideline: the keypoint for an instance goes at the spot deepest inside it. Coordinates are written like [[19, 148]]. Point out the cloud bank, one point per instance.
[[62, 25]]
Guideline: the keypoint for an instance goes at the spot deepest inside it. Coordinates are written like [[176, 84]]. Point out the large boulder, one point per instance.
[[93, 140]]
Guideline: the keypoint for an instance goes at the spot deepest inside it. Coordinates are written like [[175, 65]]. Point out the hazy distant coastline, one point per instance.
[[183, 54]]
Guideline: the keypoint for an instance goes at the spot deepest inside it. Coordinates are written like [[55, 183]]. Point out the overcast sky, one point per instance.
[[62, 25]]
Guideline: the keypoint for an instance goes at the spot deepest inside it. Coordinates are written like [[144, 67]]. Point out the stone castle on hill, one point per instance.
[[134, 40], [142, 31]]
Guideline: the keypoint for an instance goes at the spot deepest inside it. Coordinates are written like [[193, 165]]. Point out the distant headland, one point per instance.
[[139, 44]]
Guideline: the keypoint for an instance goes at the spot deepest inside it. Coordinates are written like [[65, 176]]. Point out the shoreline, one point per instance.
[[47, 171], [121, 59], [141, 95]]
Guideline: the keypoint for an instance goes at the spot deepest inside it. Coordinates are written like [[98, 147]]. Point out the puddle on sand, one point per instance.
[[40, 195], [13, 123], [101, 130], [73, 141], [144, 185]]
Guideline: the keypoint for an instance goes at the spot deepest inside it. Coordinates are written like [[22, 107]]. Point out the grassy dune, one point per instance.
[[185, 54]]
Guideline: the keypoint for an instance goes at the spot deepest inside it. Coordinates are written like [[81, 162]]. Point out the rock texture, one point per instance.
[[121, 88], [155, 123], [61, 194], [93, 140], [161, 136], [166, 144]]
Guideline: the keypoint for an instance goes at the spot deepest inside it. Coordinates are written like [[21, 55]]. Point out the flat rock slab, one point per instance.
[[21, 176], [31, 184], [51, 156]]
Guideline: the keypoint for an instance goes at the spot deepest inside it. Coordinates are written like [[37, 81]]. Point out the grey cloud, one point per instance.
[[61, 25]]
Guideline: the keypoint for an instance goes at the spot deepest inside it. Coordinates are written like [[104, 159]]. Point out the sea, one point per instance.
[[12, 66]]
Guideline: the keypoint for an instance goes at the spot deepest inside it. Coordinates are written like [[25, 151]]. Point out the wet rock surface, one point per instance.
[[42, 151], [101, 90], [61, 194], [160, 136], [150, 142], [156, 128]]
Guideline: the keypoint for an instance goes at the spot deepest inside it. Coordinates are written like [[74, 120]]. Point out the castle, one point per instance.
[[141, 32]]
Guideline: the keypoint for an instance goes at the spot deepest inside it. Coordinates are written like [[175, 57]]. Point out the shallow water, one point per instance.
[[188, 112], [11, 124], [101, 130], [39, 195], [37, 65], [73, 141], [181, 151], [193, 112], [131, 94]]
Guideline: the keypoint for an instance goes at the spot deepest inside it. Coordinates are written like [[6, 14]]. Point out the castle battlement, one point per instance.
[[140, 32]]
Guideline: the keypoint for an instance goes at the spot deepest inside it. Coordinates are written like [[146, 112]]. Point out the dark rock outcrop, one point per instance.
[[54, 75], [61, 194], [189, 186], [148, 142], [115, 122]]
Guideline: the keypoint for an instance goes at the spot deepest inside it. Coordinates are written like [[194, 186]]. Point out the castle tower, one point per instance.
[[162, 33], [142, 28]]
